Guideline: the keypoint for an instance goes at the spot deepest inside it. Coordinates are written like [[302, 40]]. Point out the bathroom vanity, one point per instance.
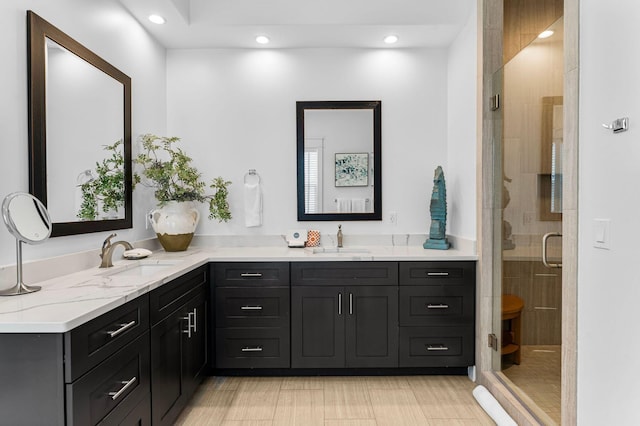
[[129, 345]]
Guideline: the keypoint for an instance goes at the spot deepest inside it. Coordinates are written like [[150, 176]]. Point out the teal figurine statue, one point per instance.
[[438, 207]]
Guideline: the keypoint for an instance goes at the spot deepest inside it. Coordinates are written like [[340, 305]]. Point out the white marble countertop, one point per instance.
[[68, 301]]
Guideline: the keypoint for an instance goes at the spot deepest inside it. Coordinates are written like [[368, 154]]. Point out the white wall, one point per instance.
[[609, 172], [235, 110], [108, 30], [460, 170]]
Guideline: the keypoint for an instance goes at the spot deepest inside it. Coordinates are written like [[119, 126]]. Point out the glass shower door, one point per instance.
[[527, 308]]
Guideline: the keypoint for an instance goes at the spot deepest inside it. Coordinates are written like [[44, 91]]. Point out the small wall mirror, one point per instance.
[[79, 133], [26, 219], [339, 160]]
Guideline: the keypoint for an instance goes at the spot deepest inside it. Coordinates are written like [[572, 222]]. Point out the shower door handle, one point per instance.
[[545, 238]]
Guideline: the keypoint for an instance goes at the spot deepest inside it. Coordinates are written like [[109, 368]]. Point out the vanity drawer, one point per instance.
[[436, 305], [344, 273], [252, 348], [120, 382], [436, 346], [93, 342], [437, 273], [169, 297], [252, 307], [251, 274]]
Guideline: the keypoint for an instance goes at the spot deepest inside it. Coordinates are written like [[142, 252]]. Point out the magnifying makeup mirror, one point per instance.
[[26, 219]]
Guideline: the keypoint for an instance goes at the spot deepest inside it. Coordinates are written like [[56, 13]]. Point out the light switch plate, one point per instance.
[[602, 233]]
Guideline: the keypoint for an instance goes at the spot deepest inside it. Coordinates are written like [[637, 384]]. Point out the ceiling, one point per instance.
[[302, 23]]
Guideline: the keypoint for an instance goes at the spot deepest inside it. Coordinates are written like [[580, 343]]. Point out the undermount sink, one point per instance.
[[333, 250], [143, 268]]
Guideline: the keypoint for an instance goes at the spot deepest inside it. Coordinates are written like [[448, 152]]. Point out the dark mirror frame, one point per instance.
[[376, 107], [38, 30]]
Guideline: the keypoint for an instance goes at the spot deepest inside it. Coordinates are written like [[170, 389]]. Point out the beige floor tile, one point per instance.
[[352, 422], [396, 407], [207, 407], [255, 399], [342, 401], [260, 383], [386, 382], [300, 407], [291, 383], [221, 383], [346, 398]]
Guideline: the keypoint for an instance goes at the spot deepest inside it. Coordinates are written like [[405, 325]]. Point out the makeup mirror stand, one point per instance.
[[20, 287], [28, 220]]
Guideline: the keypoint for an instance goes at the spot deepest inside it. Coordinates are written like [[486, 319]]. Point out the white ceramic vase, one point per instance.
[[175, 224]]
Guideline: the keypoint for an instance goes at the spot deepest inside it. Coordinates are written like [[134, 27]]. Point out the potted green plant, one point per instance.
[[177, 186], [103, 191]]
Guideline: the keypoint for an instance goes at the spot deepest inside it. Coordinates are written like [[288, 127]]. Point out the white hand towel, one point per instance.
[[344, 205], [358, 205], [252, 205]]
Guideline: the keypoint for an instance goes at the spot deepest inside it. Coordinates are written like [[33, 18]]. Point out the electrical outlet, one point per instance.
[[527, 218], [393, 217]]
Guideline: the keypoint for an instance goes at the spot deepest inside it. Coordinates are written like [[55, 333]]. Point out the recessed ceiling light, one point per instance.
[[262, 39], [546, 34], [157, 19], [390, 39]]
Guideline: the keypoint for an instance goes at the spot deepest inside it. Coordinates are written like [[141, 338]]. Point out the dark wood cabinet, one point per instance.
[[252, 315], [178, 344], [96, 373], [353, 326], [437, 314], [336, 327], [317, 327]]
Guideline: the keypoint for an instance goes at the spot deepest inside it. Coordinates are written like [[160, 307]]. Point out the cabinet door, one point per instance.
[[371, 326], [317, 327], [167, 390], [195, 343]]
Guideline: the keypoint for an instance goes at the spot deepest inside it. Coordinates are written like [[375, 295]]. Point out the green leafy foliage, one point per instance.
[[106, 188], [168, 170]]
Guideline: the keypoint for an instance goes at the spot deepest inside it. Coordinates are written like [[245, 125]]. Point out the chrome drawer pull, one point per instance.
[[254, 349], [437, 274], [339, 303], [251, 308], [122, 329], [438, 306], [251, 275], [189, 324], [437, 348], [195, 321], [127, 385]]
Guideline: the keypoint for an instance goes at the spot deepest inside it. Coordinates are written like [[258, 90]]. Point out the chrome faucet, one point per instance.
[[107, 250]]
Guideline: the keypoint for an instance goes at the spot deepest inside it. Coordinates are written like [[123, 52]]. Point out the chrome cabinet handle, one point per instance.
[[253, 349], [195, 320], [127, 385], [122, 329], [251, 308], [189, 325], [437, 274], [251, 274], [339, 303], [437, 306], [545, 261], [350, 303], [437, 348]]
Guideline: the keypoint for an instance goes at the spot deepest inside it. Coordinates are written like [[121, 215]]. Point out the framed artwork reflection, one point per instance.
[[352, 169]]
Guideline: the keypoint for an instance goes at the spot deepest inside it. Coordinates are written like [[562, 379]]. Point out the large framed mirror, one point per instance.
[[339, 160], [79, 133]]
